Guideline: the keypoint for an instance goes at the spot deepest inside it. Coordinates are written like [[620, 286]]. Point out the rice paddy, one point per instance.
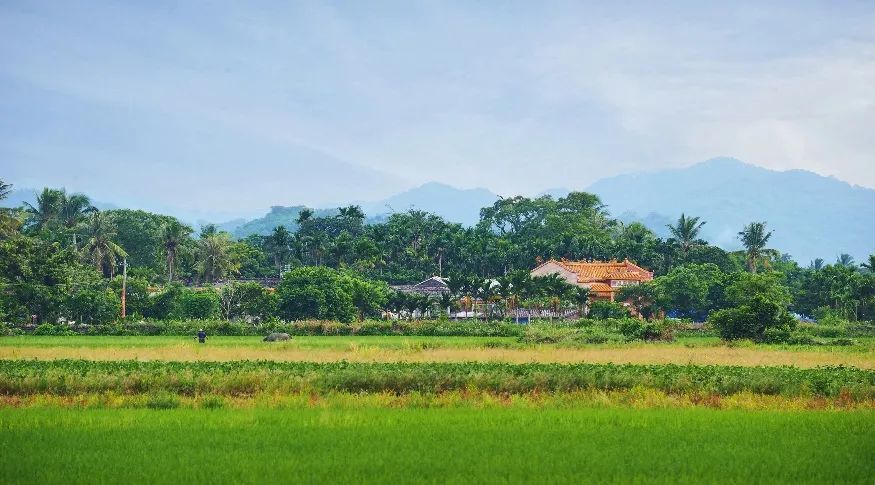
[[379, 445], [390, 409], [700, 351]]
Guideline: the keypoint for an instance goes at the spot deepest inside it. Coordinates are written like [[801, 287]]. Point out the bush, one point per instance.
[[196, 304], [48, 329], [602, 310], [94, 306], [325, 293], [752, 320], [162, 400]]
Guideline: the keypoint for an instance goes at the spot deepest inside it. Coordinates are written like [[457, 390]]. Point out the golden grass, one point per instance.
[[644, 354], [638, 398]]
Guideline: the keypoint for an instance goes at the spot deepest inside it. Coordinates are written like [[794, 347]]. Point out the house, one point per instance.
[[434, 286], [603, 278]]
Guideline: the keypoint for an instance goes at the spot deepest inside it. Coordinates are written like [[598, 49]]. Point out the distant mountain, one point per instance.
[[812, 216], [278, 216], [455, 205]]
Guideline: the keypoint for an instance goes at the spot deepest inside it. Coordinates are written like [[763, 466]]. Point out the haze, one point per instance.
[[232, 107]]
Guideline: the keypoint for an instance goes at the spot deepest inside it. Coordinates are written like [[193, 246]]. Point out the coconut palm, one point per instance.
[[74, 208], [278, 245], [47, 209], [9, 218], [754, 237], [99, 248], [816, 264], [173, 234], [870, 265], [686, 232], [214, 260], [845, 260], [5, 189]]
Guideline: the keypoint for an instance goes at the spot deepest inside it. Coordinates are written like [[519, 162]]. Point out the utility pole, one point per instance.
[[124, 285]]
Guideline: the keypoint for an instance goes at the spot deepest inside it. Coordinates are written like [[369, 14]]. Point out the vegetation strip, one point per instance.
[[71, 377], [378, 445]]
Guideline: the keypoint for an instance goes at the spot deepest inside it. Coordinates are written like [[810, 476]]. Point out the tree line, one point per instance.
[[60, 254]]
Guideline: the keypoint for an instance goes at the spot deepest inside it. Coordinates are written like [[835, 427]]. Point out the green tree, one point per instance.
[[47, 210], [35, 278], [691, 291], [100, 249], [74, 208], [686, 232], [173, 236], [754, 237], [327, 294], [247, 300], [214, 260]]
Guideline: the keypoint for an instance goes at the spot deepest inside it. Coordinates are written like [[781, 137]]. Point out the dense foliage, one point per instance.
[[61, 259], [71, 377]]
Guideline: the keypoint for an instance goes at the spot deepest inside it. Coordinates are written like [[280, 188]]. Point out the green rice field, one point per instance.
[[378, 445]]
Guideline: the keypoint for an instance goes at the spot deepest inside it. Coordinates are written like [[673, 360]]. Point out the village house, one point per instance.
[[434, 286], [603, 278]]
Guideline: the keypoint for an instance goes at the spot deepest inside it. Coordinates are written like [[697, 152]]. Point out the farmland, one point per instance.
[[687, 350], [378, 445], [414, 409]]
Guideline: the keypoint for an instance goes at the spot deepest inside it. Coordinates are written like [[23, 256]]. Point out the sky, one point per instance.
[[230, 107]]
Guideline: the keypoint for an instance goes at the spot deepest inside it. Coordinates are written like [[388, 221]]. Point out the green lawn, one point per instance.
[[378, 445]]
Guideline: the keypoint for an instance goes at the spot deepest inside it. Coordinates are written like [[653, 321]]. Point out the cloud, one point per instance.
[[517, 99]]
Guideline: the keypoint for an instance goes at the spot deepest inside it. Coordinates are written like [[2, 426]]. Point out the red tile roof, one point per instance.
[[592, 271]]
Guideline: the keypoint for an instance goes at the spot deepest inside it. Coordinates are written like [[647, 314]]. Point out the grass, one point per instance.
[[378, 445], [72, 377], [695, 350]]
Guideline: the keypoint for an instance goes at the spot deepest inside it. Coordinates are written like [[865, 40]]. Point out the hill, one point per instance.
[[812, 216], [456, 205]]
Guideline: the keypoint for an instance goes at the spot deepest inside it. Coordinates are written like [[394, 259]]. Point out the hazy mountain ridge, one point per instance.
[[811, 215]]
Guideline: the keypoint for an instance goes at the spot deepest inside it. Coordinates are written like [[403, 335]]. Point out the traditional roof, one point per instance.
[[591, 271], [600, 287]]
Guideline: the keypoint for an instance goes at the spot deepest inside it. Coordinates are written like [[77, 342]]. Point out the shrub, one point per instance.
[[196, 304], [162, 400], [602, 310], [750, 321], [47, 329]]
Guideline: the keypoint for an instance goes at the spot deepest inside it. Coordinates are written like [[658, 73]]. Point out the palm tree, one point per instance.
[[816, 264], [172, 236], [278, 245], [686, 232], [754, 238], [870, 265], [845, 260], [99, 248], [74, 208], [214, 260], [5, 189], [47, 209], [9, 220]]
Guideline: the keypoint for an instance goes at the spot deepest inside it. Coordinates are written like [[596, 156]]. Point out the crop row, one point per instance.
[[70, 377]]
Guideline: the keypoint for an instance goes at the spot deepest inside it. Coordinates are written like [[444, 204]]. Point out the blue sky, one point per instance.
[[229, 107]]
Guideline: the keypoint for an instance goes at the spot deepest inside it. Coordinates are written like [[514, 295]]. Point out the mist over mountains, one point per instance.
[[811, 216]]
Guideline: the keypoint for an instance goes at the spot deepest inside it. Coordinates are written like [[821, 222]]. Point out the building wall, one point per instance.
[[554, 268]]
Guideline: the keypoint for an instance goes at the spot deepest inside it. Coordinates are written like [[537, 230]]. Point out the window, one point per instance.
[[621, 283]]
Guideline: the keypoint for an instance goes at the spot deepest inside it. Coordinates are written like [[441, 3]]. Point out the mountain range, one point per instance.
[[811, 216]]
